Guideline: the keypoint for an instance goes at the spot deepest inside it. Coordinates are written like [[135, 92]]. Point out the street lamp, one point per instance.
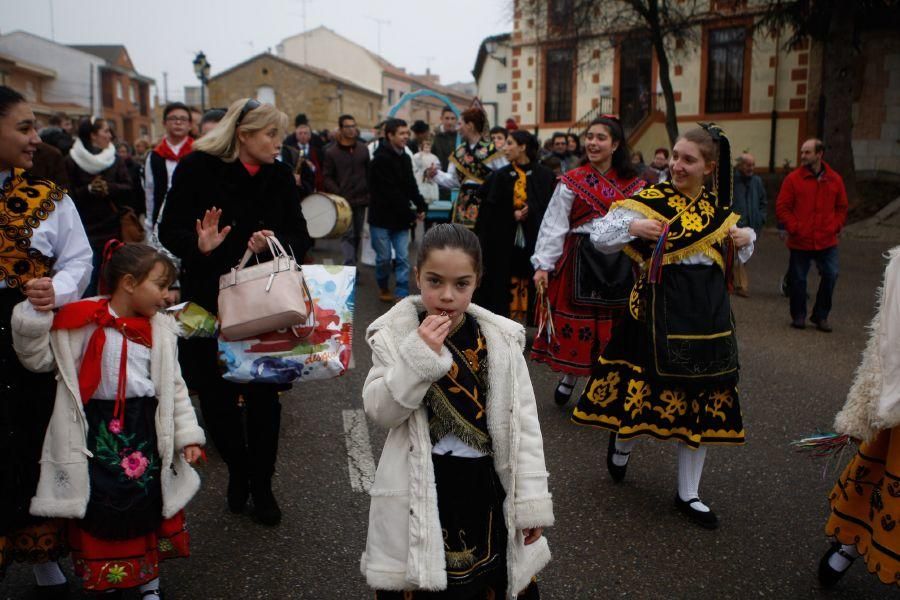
[[201, 70]]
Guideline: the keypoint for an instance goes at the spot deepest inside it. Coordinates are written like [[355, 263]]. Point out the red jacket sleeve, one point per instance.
[[784, 205]]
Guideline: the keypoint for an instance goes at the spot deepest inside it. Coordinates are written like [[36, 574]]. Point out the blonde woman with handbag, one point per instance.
[[227, 196]]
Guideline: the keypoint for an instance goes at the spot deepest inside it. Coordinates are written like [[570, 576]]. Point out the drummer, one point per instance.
[[344, 167], [470, 165]]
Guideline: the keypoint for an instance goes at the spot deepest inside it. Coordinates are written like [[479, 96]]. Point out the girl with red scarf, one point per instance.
[[123, 432], [587, 291]]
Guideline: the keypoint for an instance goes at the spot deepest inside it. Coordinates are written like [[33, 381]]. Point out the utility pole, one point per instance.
[[165, 87], [52, 24], [379, 23]]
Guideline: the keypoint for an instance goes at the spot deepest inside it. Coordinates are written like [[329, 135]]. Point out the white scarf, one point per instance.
[[92, 163]]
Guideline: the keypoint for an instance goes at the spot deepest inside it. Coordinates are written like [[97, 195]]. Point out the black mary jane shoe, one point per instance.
[[828, 575], [561, 396], [707, 520], [59, 591], [615, 471]]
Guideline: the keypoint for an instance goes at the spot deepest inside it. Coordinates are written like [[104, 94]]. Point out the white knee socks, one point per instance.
[[838, 562], [48, 573], [622, 446], [568, 381], [690, 468], [150, 586]]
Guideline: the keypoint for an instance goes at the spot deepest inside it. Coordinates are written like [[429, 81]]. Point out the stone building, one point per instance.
[[296, 88], [325, 49]]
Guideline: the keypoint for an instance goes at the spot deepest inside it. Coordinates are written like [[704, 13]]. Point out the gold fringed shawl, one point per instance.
[[25, 203], [472, 163], [696, 225]]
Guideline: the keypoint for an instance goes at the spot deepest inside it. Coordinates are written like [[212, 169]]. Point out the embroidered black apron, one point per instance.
[[126, 495]]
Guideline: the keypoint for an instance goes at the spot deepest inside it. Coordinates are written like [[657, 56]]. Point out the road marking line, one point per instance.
[[360, 463]]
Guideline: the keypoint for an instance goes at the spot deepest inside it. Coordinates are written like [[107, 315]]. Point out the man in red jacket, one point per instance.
[[812, 205]]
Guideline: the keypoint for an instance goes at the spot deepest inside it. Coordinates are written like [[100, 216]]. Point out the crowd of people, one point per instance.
[[627, 270]]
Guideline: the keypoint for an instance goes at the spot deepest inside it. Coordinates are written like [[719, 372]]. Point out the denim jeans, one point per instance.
[[382, 241], [798, 268]]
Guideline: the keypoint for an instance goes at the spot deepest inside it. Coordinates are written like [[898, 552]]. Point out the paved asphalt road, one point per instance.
[[610, 541]]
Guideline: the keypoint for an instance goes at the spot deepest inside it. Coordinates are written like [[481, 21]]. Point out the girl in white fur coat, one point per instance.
[[865, 502], [117, 450], [460, 496]]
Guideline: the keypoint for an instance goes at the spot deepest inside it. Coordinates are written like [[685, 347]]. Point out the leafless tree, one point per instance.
[[837, 25], [598, 24]]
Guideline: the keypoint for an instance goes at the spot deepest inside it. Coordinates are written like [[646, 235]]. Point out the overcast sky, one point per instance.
[[164, 35]]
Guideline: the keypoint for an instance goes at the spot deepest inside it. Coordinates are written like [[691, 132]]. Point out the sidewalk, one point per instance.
[[883, 225]]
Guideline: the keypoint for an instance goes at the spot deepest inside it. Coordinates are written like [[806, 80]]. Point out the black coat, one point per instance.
[[496, 229], [267, 200], [100, 214], [393, 189]]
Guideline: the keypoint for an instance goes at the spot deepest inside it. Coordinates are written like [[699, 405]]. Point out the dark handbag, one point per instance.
[[131, 226], [601, 280]]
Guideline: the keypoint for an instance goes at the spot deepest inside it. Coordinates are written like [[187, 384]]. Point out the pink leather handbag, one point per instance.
[[263, 297]]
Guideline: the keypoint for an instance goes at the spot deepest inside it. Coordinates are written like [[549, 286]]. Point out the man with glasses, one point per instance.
[[161, 162], [345, 173]]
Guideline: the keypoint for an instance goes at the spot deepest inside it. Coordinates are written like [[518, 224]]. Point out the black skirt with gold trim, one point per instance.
[[672, 372]]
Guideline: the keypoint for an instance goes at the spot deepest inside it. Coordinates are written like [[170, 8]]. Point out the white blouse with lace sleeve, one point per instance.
[[554, 228], [609, 234]]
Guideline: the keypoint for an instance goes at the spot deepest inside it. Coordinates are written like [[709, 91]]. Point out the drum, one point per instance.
[[327, 215]]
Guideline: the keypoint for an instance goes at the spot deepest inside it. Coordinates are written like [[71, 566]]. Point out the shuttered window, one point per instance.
[[725, 70], [560, 72]]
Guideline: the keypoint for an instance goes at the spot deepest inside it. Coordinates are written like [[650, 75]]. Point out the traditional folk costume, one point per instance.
[[671, 367], [111, 460], [470, 166], [670, 370], [40, 236], [506, 286], [455, 532], [587, 292], [865, 501]]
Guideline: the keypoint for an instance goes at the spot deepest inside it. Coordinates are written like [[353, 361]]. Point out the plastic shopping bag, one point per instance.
[[317, 350]]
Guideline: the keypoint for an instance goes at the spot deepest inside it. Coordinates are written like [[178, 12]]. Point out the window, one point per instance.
[[120, 92], [725, 70], [390, 96], [265, 94], [560, 12], [501, 88], [132, 93], [371, 112], [560, 69]]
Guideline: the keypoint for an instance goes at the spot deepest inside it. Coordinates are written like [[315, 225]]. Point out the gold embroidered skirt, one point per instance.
[[865, 506]]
